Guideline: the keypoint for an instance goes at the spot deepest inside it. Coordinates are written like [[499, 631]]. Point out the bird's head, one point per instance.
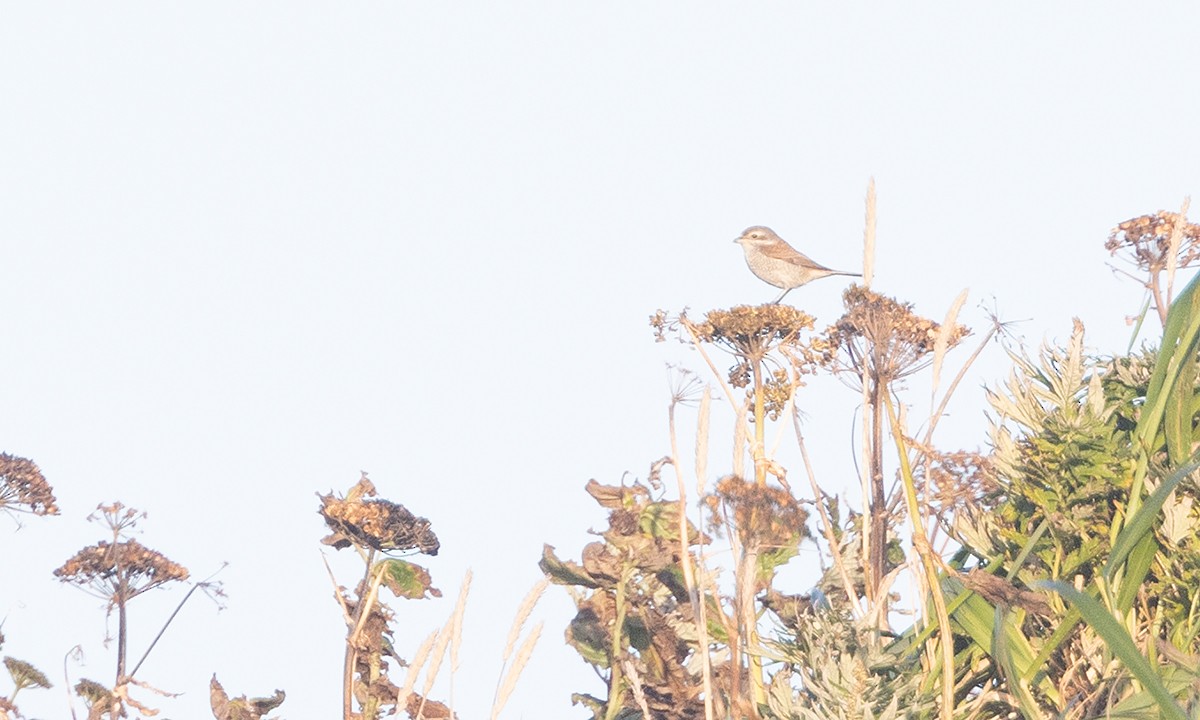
[[757, 236]]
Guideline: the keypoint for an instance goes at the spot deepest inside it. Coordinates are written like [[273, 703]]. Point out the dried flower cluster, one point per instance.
[[127, 567], [96, 696], [751, 333], [1146, 240], [764, 516], [378, 524], [418, 705], [752, 330], [957, 481], [24, 488], [882, 337], [25, 675]]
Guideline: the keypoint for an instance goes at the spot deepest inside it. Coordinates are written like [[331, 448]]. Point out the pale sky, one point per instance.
[[253, 249]]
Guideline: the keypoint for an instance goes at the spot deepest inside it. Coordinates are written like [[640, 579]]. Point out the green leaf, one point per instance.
[[977, 618], [1181, 324], [1008, 665], [586, 633], [407, 580], [564, 572], [660, 520], [1139, 564], [1142, 523]]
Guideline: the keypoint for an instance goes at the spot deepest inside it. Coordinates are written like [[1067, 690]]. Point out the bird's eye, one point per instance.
[[755, 235]]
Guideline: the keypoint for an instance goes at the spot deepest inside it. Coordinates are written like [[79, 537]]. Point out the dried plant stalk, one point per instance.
[[869, 236], [941, 343]]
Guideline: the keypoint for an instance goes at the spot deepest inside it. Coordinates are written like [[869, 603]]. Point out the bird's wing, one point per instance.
[[788, 254]]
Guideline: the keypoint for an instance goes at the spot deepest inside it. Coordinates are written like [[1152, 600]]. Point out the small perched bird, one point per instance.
[[779, 264]]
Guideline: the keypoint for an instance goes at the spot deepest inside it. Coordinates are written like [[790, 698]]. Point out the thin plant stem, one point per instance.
[[826, 524], [685, 559], [351, 655], [925, 551], [162, 630], [713, 368], [616, 680]]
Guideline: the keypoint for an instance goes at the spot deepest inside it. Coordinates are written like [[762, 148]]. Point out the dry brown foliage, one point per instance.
[[241, 707]]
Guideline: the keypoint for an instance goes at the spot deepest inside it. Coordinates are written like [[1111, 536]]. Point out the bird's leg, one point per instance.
[[777, 300]]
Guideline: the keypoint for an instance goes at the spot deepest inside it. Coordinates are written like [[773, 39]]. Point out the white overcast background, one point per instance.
[[250, 249]]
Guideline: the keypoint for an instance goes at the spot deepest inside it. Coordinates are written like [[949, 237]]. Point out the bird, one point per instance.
[[779, 264]]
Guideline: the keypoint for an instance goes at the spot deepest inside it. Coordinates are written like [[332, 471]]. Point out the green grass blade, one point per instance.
[[1177, 349], [1142, 523], [1002, 652], [1121, 645]]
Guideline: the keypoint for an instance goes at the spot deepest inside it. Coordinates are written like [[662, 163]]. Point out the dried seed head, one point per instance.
[[881, 337], [375, 523], [23, 488], [752, 330], [25, 675], [763, 515], [127, 567], [958, 482], [1145, 241], [94, 693]]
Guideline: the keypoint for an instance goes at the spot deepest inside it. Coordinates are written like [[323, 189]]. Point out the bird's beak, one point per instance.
[[737, 239]]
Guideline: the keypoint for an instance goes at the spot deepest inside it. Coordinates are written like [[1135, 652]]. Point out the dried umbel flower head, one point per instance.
[[378, 524], [882, 338], [751, 333], [752, 330], [958, 482], [1145, 241], [128, 568], [23, 488], [99, 699], [764, 516], [25, 675]]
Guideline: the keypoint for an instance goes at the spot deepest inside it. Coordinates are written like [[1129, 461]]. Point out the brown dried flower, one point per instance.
[[100, 700], [25, 675], [23, 488], [958, 481], [379, 524], [764, 515], [752, 330], [126, 567], [881, 337], [421, 707], [1147, 241]]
